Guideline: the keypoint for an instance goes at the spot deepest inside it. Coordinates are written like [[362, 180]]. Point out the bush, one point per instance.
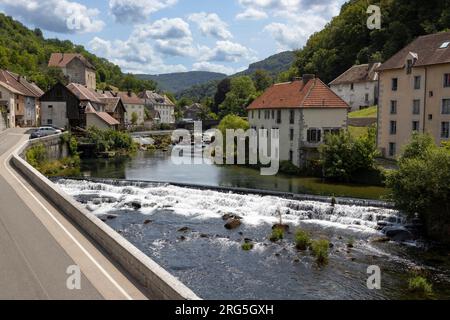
[[302, 240], [277, 235], [320, 250], [420, 285], [110, 140], [247, 246], [289, 168], [36, 155]]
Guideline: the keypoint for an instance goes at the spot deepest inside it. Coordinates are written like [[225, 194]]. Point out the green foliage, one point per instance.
[[273, 65], [421, 184], [277, 235], [110, 140], [36, 155], [26, 52], [346, 40], [370, 112], [302, 240], [420, 285], [232, 122], [71, 142], [247, 246], [262, 80], [320, 249], [242, 93], [287, 167], [134, 118], [343, 156]]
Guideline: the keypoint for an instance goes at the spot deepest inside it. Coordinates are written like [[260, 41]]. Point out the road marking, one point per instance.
[[105, 273]]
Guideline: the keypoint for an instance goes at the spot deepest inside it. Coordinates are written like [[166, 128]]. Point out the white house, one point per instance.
[[304, 111], [160, 103], [358, 86], [133, 105]]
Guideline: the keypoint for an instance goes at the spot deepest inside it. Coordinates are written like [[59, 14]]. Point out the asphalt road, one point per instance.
[[38, 245]]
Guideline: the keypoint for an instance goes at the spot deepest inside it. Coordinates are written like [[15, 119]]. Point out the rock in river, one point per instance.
[[232, 224], [399, 234]]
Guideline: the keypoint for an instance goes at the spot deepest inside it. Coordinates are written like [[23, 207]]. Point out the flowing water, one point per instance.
[[183, 230]]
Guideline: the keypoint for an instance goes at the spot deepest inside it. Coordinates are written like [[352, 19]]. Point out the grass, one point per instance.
[[277, 235], [302, 240], [420, 285], [357, 132], [364, 113], [320, 251], [247, 246]]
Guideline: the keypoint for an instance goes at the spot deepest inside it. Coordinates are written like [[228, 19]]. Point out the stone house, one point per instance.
[[160, 103], [75, 67]]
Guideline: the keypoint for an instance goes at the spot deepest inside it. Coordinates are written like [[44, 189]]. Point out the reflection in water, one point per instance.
[[157, 166]]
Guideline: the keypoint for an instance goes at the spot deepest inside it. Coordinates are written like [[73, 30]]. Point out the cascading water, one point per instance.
[[183, 230]]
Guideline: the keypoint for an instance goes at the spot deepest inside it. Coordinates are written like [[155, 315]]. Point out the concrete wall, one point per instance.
[[158, 282]]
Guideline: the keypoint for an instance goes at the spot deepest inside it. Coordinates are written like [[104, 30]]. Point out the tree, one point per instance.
[[262, 80], [242, 93], [134, 118], [223, 88], [343, 156], [421, 185]]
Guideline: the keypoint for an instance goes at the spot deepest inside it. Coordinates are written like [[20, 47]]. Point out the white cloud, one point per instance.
[[210, 24], [133, 56], [252, 14], [60, 16], [212, 67], [226, 51], [165, 28], [133, 11]]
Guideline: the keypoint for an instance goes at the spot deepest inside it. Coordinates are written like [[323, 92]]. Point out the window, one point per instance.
[[430, 117], [393, 127], [445, 45], [253, 114], [352, 87], [409, 65], [394, 107], [49, 121], [259, 114], [445, 131], [367, 98], [416, 107], [50, 107], [392, 149], [292, 117], [416, 126], [314, 135], [273, 114], [1, 95], [446, 106], [278, 116], [431, 94], [394, 84], [291, 155], [417, 82], [291, 134], [447, 80]]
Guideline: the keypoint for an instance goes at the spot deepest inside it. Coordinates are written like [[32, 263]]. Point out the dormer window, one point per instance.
[[409, 65], [445, 45]]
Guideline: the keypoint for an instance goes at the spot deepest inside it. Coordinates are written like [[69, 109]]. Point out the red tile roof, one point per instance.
[[19, 84], [130, 98], [107, 118], [61, 60], [84, 93], [290, 95]]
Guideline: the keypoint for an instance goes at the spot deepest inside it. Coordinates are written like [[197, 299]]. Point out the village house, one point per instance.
[[358, 86], [75, 67], [133, 105], [415, 94], [193, 112], [77, 106], [19, 101], [160, 103], [304, 111]]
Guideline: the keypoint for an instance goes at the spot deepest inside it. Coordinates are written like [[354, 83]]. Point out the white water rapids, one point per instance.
[[101, 199]]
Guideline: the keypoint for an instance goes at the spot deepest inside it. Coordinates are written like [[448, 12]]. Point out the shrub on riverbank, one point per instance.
[[277, 235], [110, 140], [421, 185], [247, 246], [37, 157], [302, 240], [421, 286], [320, 250]]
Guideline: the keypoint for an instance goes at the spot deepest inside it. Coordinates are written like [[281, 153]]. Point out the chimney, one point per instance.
[[307, 77], [129, 93]]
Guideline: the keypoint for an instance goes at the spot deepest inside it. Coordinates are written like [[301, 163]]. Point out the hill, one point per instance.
[[274, 65], [346, 40], [177, 82], [27, 52]]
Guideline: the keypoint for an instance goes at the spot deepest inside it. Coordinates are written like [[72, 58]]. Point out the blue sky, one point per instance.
[[161, 36]]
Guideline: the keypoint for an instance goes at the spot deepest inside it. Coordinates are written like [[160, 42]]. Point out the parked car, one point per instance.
[[44, 132]]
